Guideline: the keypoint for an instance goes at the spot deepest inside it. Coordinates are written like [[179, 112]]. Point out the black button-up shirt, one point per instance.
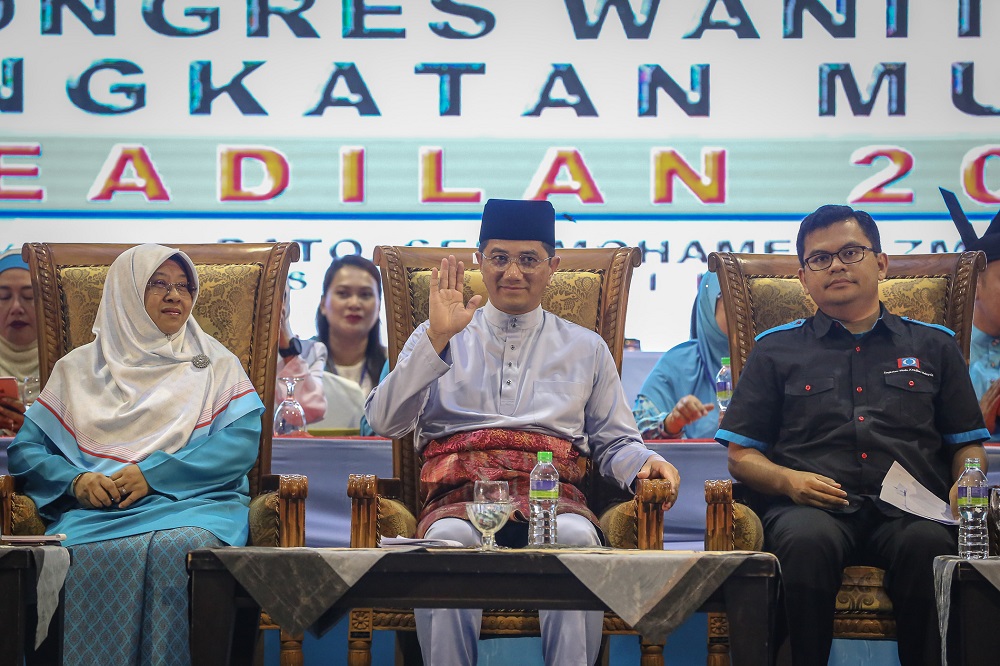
[[814, 397]]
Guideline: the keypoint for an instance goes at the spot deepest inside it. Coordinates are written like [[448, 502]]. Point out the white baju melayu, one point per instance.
[[534, 372]]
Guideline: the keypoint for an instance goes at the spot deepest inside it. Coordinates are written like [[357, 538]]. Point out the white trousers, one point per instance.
[[450, 636]]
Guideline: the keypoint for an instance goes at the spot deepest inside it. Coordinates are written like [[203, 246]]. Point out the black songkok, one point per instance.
[[514, 219]]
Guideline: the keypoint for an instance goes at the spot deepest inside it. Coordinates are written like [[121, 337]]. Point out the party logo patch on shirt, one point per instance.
[[908, 362]]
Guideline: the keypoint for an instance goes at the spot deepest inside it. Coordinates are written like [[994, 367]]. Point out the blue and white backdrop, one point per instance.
[[679, 126]]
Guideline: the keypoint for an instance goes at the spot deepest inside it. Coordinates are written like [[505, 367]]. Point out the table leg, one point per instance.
[[12, 610], [971, 640], [222, 631], [751, 605]]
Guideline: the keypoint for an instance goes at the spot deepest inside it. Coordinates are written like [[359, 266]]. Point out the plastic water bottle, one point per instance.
[[724, 386], [973, 500], [543, 495]]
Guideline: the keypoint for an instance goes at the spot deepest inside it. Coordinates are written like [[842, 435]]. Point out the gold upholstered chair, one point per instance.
[[590, 289], [239, 303], [760, 291]]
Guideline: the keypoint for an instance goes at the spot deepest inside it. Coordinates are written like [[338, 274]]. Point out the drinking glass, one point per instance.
[[29, 390], [489, 509], [289, 417], [993, 520]]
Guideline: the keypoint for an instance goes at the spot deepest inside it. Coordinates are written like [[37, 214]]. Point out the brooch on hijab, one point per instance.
[[200, 361]]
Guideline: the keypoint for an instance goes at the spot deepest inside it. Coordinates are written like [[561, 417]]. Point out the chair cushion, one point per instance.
[[620, 524], [25, 520], [224, 309], [82, 287], [922, 298], [776, 301], [748, 532], [573, 295], [264, 522], [394, 519]]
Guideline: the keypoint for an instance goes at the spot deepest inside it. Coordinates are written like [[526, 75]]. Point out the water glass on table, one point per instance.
[[489, 509]]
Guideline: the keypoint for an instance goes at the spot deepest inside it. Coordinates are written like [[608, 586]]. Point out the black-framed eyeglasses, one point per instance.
[[162, 287], [526, 263], [851, 254]]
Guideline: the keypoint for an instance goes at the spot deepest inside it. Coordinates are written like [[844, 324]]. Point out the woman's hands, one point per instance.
[[687, 410], [11, 414], [131, 484], [97, 491]]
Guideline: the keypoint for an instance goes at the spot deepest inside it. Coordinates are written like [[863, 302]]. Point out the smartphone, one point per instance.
[[9, 389]]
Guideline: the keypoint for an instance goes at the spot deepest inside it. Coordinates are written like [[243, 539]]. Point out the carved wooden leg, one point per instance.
[[651, 654], [718, 639], [359, 638], [291, 649]]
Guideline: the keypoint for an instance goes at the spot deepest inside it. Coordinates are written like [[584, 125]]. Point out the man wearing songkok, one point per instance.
[[484, 390], [984, 353], [822, 409]]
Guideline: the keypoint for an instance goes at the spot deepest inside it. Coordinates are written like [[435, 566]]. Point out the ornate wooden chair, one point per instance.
[[760, 291], [591, 289], [239, 304]]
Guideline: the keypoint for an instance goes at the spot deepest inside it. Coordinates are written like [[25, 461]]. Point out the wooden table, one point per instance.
[[17, 614], [224, 615], [975, 612]]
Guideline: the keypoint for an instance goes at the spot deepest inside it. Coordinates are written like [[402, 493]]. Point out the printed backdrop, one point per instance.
[[681, 127]]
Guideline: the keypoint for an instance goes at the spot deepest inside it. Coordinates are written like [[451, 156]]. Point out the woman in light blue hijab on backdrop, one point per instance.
[[677, 400]]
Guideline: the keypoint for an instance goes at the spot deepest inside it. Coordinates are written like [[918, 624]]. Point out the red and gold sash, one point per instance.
[[452, 466]]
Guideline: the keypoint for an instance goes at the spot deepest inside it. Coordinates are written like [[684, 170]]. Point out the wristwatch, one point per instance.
[[294, 348]]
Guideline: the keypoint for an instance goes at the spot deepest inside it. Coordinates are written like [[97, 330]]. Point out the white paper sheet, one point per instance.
[[32, 540], [901, 490], [405, 542]]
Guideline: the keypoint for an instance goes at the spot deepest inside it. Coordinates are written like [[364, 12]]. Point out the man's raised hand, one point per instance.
[[449, 313]]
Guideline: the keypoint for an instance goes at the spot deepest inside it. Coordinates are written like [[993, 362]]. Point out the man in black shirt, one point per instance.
[[822, 409]]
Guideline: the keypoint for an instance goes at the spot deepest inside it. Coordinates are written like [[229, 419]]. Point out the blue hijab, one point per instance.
[[689, 368]]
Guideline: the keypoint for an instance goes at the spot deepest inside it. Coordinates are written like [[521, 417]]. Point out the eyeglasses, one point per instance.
[[851, 254], [526, 263], [162, 287]]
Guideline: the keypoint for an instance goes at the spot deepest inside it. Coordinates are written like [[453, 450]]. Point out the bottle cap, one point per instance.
[[725, 360], [544, 456]]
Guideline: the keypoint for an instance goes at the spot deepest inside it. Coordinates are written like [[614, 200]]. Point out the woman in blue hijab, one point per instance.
[[680, 391]]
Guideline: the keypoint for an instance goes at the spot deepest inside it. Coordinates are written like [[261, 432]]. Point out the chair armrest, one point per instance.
[[719, 514], [376, 510], [6, 512], [292, 490], [19, 513], [650, 497], [363, 491], [731, 522]]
